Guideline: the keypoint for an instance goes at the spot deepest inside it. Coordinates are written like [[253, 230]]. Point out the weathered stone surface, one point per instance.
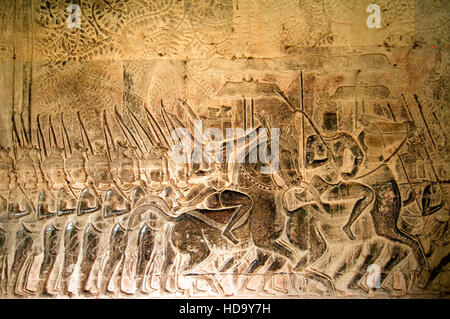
[[333, 183]]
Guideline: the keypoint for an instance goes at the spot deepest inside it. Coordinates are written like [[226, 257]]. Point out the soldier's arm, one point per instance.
[[431, 210], [67, 211], [312, 145], [357, 152], [14, 212], [83, 204], [42, 207], [137, 194], [63, 211], [428, 210], [411, 198], [109, 209]]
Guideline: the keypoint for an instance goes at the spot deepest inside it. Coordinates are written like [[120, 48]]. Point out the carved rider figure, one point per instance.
[[339, 157], [204, 194]]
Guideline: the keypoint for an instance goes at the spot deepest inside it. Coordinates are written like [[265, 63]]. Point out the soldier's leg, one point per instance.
[[51, 236], [91, 241], [3, 262], [22, 252], [145, 250], [71, 252], [3, 274], [117, 247]]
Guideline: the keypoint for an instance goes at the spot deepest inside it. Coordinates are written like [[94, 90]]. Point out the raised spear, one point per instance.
[[84, 133], [65, 135], [125, 129], [41, 136]]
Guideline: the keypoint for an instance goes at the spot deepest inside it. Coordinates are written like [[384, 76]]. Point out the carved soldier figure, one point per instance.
[[148, 233], [95, 241], [55, 203], [22, 211], [86, 201], [380, 141], [339, 157], [6, 233], [119, 201], [425, 221]]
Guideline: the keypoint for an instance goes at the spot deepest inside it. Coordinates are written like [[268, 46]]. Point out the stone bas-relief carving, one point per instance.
[[333, 181]]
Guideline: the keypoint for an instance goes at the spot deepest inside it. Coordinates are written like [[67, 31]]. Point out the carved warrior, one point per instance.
[[52, 206], [6, 233], [86, 202], [95, 241], [109, 218], [23, 214]]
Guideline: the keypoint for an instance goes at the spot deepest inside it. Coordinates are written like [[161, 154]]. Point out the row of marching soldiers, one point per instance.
[[63, 221]]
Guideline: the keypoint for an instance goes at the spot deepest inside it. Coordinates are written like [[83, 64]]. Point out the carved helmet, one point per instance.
[[25, 161], [156, 158], [77, 158], [53, 162], [125, 156], [100, 159], [75, 161]]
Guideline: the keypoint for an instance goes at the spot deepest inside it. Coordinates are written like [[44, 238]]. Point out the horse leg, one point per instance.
[[398, 254], [232, 198], [304, 232], [385, 216], [366, 196], [195, 259], [277, 264], [321, 277], [372, 255], [387, 228], [232, 264], [347, 265], [297, 230], [209, 278], [257, 263], [437, 270], [317, 248], [177, 274]]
